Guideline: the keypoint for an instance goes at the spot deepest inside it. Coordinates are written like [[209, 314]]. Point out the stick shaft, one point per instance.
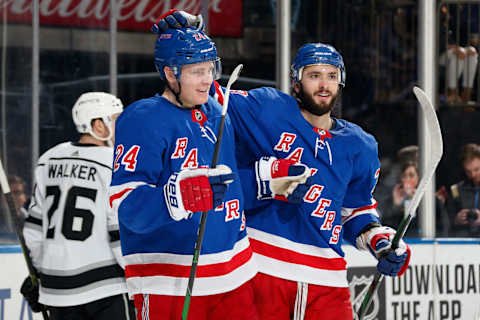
[[13, 212], [436, 151], [201, 230], [203, 218]]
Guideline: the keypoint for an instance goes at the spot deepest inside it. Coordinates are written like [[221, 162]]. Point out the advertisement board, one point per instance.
[[441, 283], [225, 16]]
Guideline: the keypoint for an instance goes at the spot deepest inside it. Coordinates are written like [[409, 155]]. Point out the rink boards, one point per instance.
[[442, 282]]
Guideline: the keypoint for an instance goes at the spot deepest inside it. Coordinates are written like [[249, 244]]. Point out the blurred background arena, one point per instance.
[[53, 51]]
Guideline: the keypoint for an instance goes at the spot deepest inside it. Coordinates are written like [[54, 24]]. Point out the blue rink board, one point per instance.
[[10, 249], [17, 249]]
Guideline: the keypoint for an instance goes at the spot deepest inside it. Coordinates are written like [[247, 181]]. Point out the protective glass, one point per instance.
[[201, 70]]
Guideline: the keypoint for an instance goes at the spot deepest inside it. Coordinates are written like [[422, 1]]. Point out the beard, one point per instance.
[[307, 102]]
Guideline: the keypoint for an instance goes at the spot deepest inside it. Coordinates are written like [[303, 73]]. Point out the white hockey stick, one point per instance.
[[12, 209], [434, 148], [203, 219]]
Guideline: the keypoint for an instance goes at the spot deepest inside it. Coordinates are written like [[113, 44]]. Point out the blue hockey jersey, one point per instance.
[[154, 139], [303, 242]]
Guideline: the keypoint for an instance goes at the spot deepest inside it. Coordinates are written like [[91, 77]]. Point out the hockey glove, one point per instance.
[[175, 19], [282, 179], [30, 292], [379, 241], [196, 190]]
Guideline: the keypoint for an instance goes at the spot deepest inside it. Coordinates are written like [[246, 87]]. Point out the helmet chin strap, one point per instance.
[[107, 139], [176, 94]]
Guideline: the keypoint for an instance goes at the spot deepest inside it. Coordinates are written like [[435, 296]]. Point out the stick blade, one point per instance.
[[234, 75], [231, 80], [432, 123], [434, 147]]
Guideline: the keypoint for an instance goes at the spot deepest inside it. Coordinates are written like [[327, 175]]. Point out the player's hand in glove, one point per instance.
[[282, 179], [379, 241], [30, 291], [196, 190], [175, 19]]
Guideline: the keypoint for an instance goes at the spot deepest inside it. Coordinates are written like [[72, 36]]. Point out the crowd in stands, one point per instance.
[[457, 206], [20, 198]]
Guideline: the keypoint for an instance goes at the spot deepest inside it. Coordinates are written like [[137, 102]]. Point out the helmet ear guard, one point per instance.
[[95, 105], [178, 47], [317, 53]]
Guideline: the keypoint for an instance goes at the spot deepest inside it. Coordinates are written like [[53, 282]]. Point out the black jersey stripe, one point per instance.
[[82, 279], [83, 159], [114, 235], [34, 220]]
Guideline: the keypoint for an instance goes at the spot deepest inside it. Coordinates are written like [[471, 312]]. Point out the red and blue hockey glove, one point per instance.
[[175, 19], [379, 241], [196, 190], [282, 179], [30, 291]]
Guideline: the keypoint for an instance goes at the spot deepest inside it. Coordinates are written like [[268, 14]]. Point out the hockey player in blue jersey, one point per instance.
[[302, 271], [161, 182]]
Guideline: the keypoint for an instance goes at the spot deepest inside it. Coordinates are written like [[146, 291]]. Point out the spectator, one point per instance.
[[460, 57], [391, 171], [6, 223], [17, 189], [394, 207], [19, 195], [463, 204]]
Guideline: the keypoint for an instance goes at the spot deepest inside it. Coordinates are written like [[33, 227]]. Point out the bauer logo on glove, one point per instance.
[[196, 190]]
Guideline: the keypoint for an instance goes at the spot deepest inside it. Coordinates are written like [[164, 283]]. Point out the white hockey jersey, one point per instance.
[[66, 228]]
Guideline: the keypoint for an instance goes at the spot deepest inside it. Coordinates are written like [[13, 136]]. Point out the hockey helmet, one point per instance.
[[95, 105], [317, 53], [178, 47]]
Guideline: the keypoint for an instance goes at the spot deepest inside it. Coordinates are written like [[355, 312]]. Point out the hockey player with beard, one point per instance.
[[72, 236], [298, 246]]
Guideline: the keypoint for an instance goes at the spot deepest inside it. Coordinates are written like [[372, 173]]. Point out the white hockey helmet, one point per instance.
[[95, 105]]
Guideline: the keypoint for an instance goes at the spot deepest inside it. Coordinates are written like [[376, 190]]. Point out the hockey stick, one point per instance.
[[12, 210], [435, 149], [203, 219]]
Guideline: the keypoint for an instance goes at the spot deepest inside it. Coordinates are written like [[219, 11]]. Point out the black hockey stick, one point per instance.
[[434, 148], [203, 219], [12, 210]]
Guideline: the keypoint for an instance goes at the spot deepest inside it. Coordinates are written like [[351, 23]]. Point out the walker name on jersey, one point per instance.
[[72, 170]]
